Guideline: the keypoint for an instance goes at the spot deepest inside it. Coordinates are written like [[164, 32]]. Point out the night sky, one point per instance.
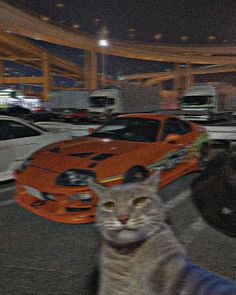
[[141, 20], [172, 18]]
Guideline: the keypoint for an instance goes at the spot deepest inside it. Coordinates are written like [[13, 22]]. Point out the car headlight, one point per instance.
[[75, 177], [25, 164], [85, 197]]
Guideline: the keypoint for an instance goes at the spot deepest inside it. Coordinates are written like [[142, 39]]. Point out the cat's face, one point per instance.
[[130, 212]]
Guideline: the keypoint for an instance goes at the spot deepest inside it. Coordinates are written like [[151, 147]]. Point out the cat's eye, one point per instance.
[[109, 205], [139, 202]]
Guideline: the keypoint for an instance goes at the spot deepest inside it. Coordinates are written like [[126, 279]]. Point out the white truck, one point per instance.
[[67, 99], [129, 98], [208, 102]]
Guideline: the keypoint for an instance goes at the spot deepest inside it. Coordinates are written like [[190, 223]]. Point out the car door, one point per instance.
[[17, 141], [176, 152]]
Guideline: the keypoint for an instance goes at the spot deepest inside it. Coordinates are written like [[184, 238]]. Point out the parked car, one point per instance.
[[42, 114], [18, 139], [73, 129], [53, 182], [16, 111], [74, 115]]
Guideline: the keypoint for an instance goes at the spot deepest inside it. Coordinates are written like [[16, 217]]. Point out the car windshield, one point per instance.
[[98, 101], [195, 100], [131, 129]]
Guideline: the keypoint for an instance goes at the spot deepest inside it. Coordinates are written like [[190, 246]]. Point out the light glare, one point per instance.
[[103, 43]]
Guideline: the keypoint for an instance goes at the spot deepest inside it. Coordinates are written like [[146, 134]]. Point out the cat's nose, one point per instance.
[[123, 218]]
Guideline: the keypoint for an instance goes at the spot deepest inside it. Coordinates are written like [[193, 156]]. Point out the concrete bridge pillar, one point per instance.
[[189, 76], [90, 70], [46, 76], [177, 77], [179, 80], [183, 79]]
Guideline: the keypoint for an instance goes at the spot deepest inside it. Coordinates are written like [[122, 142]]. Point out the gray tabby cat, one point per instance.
[[140, 254]]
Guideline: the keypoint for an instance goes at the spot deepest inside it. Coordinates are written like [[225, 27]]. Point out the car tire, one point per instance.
[[135, 174], [204, 155]]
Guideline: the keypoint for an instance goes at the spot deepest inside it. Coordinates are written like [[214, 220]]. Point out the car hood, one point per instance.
[[86, 153]]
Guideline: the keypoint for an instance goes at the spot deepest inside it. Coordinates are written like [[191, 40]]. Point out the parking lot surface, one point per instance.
[[42, 257]]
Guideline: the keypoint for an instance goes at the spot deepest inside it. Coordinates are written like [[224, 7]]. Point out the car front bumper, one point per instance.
[[58, 204]]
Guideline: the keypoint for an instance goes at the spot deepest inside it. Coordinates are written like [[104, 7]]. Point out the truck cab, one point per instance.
[[200, 102], [103, 103]]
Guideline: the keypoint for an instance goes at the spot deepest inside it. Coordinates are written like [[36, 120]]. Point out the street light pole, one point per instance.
[[103, 42], [103, 68]]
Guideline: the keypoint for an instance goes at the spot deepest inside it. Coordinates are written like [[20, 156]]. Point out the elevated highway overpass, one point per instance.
[[150, 79], [14, 21]]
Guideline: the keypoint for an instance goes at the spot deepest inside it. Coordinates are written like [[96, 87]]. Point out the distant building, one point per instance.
[[10, 97]]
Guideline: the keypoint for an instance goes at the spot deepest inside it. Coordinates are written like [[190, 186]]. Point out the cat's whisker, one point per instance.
[[111, 223], [155, 223]]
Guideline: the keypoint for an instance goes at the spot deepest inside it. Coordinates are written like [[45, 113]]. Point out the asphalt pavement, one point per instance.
[[43, 257]]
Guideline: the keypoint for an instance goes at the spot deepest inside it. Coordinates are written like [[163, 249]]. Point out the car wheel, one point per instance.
[[135, 174], [204, 155]]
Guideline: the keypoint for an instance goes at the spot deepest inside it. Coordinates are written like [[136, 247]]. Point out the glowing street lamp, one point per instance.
[[103, 42], [158, 37], [184, 38], [76, 26], [60, 5], [45, 18], [97, 19], [131, 33], [103, 37], [211, 38]]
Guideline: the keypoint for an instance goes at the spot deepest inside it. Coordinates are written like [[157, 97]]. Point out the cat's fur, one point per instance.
[[140, 254]]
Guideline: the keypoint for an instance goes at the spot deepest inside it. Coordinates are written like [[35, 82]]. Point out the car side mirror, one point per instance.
[[172, 138]]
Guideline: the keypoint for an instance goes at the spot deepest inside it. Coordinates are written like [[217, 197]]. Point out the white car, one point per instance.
[[74, 130], [18, 139]]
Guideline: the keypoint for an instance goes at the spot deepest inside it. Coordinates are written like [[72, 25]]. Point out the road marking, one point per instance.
[[7, 202]]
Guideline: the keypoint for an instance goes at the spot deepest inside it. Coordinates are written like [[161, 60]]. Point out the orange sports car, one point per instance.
[[53, 182]]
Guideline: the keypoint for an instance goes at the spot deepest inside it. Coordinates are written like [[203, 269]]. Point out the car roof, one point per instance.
[[14, 118], [25, 122]]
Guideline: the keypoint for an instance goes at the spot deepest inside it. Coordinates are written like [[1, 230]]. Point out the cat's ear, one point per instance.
[[99, 189], [153, 181]]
